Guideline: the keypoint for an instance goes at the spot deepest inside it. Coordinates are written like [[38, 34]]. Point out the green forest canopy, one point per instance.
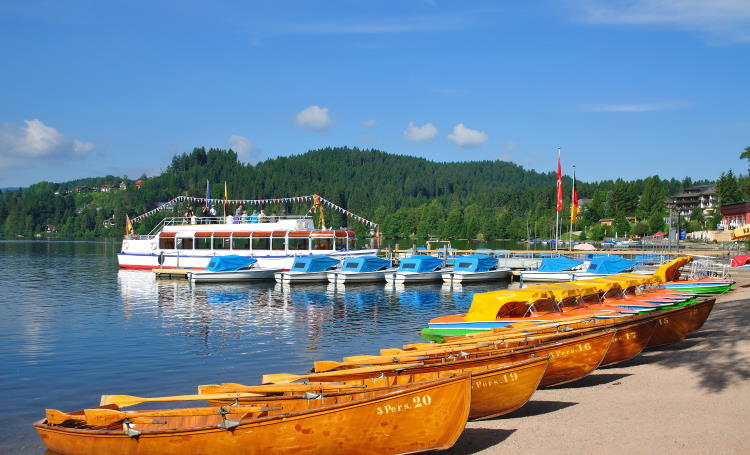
[[406, 195]]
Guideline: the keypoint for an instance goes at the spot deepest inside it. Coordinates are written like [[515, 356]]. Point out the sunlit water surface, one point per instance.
[[74, 327]]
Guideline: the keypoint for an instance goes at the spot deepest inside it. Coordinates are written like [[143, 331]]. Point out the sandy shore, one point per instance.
[[692, 397]]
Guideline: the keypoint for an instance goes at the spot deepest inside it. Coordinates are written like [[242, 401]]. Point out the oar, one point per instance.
[[228, 387], [103, 417], [56, 417], [328, 365], [280, 378], [123, 401]]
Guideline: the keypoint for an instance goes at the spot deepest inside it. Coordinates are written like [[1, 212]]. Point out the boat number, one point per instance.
[[626, 336], [506, 378], [572, 350], [416, 402], [663, 321]]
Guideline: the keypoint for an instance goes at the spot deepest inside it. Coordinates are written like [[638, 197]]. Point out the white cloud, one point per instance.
[[314, 117], [245, 149], [22, 146], [420, 133], [466, 137], [641, 107], [723, 20], [369, 123]]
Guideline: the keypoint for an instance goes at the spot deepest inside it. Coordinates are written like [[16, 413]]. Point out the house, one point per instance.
[[105, 188], [735, 215], [123, 185], [701, 196], [611, 221], [139, 182]]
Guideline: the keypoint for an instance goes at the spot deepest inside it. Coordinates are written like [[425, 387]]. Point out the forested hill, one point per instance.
[[407, 196]]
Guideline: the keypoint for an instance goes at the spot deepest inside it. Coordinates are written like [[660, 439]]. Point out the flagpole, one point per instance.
[[557, 208], [570, 232]]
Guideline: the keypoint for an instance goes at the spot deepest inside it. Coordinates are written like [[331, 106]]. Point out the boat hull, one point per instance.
[[471, 277], [413, 419], [301, 277], [671, 327], [533, 276], [357, 277], [414, 277], [629, 341], [240, 275]]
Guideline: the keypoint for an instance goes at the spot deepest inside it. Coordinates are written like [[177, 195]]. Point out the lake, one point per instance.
[[73, 327]]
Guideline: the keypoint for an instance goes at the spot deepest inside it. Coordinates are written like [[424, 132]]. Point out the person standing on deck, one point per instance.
[[254, 217]]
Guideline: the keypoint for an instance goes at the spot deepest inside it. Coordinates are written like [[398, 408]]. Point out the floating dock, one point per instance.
[[170, 273]]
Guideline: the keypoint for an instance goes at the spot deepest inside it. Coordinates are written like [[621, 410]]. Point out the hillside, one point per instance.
[[407, 196]]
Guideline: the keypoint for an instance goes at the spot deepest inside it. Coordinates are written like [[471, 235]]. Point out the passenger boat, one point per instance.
[[274, 242], [474, 268], [416, 269], [499, 386], [602, 266], [361, 269], [426, 415], [231, 268], [308, 269], [552, 269]]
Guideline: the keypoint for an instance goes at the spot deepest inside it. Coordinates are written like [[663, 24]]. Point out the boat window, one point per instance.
[[221, 243], [591, 298], [351, 266], [166, 243], [261, 243], [184, 244], [322, 244], [544, 306], [298, 243], [203, 243], [241, 243], [299, 265], [278, 244], [464, 265], [408, 266], [352, 243]]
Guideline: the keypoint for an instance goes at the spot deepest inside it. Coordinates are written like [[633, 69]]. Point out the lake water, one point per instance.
[[73, 327]]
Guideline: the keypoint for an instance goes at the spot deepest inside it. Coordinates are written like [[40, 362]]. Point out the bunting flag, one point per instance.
[[208, 201], [226, 199], [559, 183], [574, 200]]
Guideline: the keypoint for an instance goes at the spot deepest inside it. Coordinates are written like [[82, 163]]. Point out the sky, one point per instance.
[[625, 88]]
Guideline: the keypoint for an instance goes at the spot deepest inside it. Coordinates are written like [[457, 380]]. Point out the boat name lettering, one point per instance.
[[664, 321], [630, 335], [506, 378], [416, 402], [571, 350]]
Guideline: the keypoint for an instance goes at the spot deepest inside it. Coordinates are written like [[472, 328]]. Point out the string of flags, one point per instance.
[[259, 202]]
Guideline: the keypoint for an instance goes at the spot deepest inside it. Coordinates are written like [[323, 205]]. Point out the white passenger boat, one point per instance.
[[552, 270], [231, 268], [417, 269], [308, 269], [362, 269], [475, 268], [275, 242]]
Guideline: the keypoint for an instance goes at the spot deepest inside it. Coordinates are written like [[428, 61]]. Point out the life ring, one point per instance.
[[160, 259], [153, 245]]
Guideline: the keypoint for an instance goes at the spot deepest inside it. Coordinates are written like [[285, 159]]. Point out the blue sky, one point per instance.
[[625, 88]]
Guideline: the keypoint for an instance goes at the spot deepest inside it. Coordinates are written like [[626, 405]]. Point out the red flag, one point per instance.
[[559, 183]]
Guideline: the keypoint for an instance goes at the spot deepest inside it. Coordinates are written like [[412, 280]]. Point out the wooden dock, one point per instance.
[[173, 272]]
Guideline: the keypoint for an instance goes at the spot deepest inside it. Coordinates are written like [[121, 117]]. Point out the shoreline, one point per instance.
[[691, 397]]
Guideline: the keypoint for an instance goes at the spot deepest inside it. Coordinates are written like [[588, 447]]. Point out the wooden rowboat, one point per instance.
[[498, 386], [428, 415], [570, 359]]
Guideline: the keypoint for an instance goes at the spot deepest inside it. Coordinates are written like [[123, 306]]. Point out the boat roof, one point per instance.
[[229, 263], [610, 264], [486, 305], [474, 263], [313, 263], [419, 263], [558, 264], [364, 264]]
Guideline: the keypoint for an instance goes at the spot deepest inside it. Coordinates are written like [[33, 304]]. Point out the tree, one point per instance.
[[697, 217], [622, 227], [641, 228], [656, 223], [746, 156], [652, 199], [727, 189]]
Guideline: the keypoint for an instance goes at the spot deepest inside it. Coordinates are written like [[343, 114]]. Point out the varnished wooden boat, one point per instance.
[[672, 326], [498, 386], [699, 313], [630, 340], [428, 415], [571, 358]]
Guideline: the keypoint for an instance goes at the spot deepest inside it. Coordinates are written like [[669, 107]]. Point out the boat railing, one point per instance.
[[235, 219]]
